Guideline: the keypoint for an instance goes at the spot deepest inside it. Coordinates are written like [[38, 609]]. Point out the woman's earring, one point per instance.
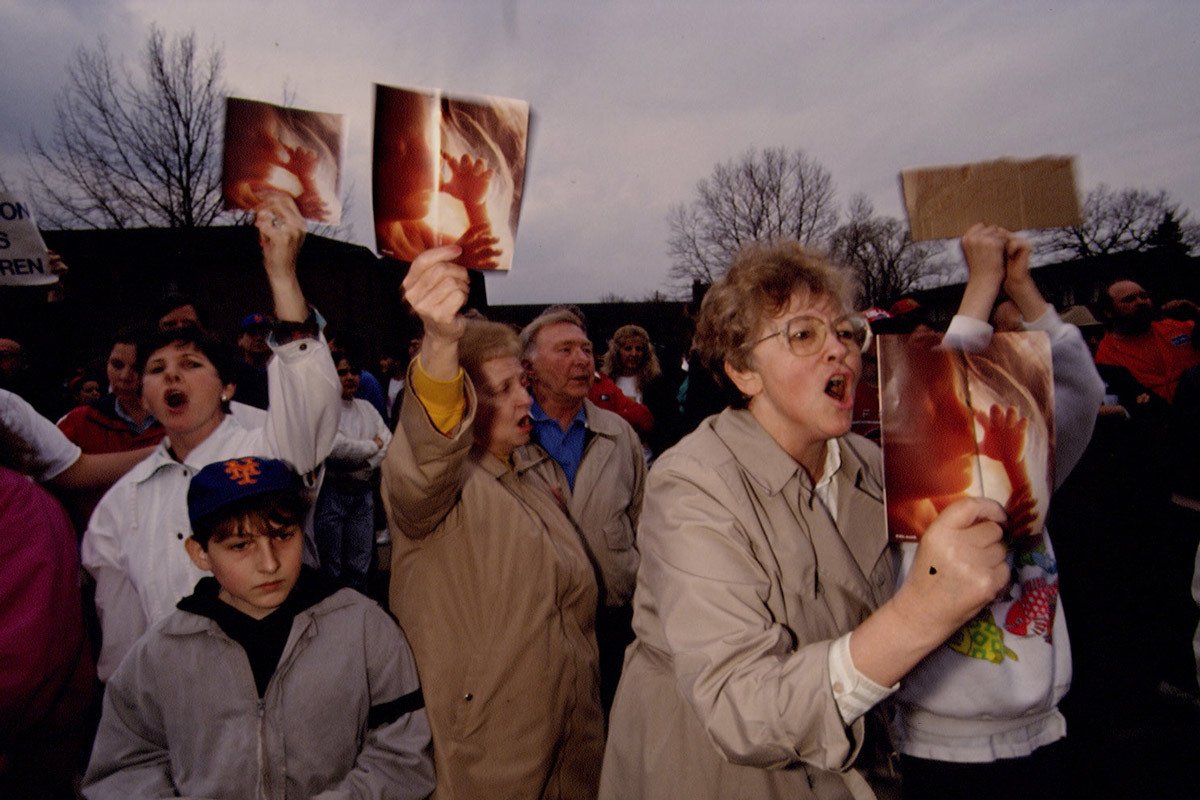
[[224, 398]]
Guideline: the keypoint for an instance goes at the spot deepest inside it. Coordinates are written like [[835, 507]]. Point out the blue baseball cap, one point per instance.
[[255, 320], [220, 485]]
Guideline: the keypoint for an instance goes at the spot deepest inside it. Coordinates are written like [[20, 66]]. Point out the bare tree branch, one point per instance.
[[772, 194], [134, 150], [888, 263], [1120, 221]]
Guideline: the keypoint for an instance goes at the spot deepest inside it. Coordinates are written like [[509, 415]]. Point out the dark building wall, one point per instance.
[[118, 276]]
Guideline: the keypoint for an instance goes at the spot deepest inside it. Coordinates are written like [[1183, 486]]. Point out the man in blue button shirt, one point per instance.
[[592, 461]]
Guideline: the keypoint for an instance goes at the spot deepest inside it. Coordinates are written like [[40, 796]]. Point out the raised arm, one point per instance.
[[983, 248], [281, 233], [1078, 388], [423, 468], [437, 288], [302, 417]]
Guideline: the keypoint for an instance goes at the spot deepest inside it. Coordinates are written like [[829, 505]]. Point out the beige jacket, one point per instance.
[[607, 499], [745, 582], [493, 588]]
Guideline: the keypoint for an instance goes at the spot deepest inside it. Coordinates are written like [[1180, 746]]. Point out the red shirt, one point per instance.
[[1156, 358], [606, 394], [96, 428]]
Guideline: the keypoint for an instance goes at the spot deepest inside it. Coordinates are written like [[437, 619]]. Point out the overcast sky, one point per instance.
[[635, 102]]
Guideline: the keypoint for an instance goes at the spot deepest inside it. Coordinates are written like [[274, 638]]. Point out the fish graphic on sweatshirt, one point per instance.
[[1033, 612]]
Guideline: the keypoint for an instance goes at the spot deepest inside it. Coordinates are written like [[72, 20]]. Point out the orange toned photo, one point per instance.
[[960, 424], [290, 150], [448, 171]]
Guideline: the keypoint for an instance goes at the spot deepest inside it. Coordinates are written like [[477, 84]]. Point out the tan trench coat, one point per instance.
[[493, 588], [744, 583], [607, 498]]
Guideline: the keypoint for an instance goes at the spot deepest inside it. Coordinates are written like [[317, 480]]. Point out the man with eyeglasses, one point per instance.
[[1155, 351]]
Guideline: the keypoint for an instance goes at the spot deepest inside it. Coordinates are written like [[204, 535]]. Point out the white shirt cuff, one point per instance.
[[854, 693], [967, 334], [1049, 321]]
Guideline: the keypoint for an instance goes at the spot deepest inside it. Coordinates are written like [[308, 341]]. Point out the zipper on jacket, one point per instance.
[[264, 776]]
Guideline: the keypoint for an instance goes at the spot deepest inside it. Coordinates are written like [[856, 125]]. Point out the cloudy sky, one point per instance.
[[637, 101]]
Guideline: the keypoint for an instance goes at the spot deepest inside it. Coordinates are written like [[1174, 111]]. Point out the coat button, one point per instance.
[[179, 536], [303, 346], [468, 697]]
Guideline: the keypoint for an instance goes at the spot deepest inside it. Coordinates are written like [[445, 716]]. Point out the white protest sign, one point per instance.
[[24, 259]]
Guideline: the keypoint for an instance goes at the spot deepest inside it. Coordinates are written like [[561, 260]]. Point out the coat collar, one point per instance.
[[760, 456], [848, 556], [599, 425], [201, 456], [768, 464], [188, 623]]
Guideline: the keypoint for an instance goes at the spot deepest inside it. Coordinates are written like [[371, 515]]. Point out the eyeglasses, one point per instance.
[[344, 371], [805, 334]]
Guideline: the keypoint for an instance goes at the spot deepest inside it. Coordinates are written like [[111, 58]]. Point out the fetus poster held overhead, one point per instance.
[[290, 150], [448, 170]]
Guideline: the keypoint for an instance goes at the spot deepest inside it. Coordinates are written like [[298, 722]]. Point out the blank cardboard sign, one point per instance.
[[943, 202]]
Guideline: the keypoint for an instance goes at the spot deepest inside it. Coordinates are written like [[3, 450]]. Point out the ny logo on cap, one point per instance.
[[242, 471]]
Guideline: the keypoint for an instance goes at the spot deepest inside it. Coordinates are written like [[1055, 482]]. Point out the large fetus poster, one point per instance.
[[448, 170], [960, 424]]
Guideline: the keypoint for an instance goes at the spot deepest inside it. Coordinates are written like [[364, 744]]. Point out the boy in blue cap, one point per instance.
[[265, 681]]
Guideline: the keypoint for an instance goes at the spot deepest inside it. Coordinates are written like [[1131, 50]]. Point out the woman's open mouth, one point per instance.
[[174, 399], [837, 387]]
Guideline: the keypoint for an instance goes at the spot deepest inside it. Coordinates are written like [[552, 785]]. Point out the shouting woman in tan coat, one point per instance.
[[490, 579], [766, 638]]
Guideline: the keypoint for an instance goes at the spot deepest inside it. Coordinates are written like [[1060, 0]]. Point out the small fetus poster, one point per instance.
[[448, 170], [291, 150], [958, 424]]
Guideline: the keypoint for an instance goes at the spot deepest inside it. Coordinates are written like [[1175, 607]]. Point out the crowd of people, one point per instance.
[[590, 592]]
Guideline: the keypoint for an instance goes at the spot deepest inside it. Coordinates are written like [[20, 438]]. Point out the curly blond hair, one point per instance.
[[760, 283]]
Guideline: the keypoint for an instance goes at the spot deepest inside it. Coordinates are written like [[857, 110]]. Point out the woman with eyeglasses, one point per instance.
[[767, 630]]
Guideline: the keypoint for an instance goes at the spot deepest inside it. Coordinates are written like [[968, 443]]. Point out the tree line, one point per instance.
[[142, 148], [785, 193]]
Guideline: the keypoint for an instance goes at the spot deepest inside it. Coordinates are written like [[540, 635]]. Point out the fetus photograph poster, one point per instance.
[[270, 147], [958, 424], [448, 170]]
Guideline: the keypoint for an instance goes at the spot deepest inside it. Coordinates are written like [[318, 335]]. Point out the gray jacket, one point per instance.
[[182, 716], [607, 499]]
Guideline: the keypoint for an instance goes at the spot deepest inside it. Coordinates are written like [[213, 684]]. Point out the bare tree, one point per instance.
[[889, 264], [772, 194], [134, 150], [1119, 221]]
